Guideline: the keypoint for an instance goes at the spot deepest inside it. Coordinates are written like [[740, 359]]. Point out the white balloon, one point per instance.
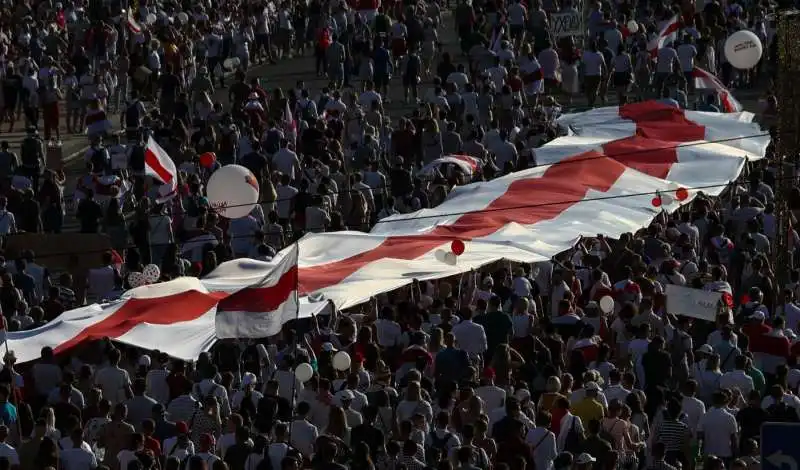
[[232, 191], [152, 273], [607, 304], [440, 255], [136, 279], [304, 372], [743, 49], [341, 360], [183, 17], [150, 19], [633, 26], [450, 258]]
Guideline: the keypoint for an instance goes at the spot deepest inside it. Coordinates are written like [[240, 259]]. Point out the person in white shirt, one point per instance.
[[285, 160], [6, 450], [471, 337], [717, 430], [686, 56], [691, 406], [249, 383], [79, 456], [595, 69], [493, 396], [666, 62], [388, 330], [303, 435], [286, 193], [738, 378], [8, 223], [543, 442]]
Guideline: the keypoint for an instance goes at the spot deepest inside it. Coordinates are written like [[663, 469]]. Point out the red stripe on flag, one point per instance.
[[152, 160], [167, 310], [559, 188], [262, 299]]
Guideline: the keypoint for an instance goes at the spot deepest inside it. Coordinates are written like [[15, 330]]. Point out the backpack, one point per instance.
[[133, 115], [31, 151], [574, 439], [438, 445]]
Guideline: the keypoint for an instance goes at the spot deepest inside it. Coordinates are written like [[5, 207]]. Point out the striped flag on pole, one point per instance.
[[704, 80]]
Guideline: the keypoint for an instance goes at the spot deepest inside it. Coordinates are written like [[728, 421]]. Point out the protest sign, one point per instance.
[[695, 303], [566, 23]]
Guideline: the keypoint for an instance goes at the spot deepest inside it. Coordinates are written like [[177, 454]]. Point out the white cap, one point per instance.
[[757, 315], [346, 395], [591, 386], [144, 360], [249, 379], [328, 347], [705, 349], [522, 394], [585, 458]]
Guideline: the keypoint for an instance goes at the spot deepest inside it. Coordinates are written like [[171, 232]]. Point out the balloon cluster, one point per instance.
[[149, 275], [661, 199], [450, 258]]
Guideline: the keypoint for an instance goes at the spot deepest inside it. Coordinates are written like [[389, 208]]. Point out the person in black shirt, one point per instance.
[[325, 458], [595, 445], [236, 455], [256, 161], [368, 433], [89, 213], [657, 364]]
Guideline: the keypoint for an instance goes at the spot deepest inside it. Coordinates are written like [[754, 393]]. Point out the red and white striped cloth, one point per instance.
[[160, 166], [704, 80], [468, 165], [600, 180], [260, 310], [133, 25], [667, 34]]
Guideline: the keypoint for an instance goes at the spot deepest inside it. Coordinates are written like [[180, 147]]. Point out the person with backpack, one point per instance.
[[32, 156], [440, 442]]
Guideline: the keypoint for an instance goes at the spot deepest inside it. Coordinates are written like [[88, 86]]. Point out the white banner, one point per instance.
[[693, 303], [566, 24]]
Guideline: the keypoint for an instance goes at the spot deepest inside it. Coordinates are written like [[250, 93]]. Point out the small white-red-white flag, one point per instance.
[[667, 34], [160, 166], [704, 80], [133, 25], [260, 310]]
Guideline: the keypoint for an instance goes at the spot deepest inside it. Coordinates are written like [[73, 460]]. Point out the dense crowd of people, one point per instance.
[[512, 367]]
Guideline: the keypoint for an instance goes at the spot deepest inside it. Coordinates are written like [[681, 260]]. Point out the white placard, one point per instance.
[[566, 24], [695, 303]]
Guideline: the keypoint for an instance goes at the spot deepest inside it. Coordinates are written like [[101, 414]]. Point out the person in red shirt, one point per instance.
[[150, 443]]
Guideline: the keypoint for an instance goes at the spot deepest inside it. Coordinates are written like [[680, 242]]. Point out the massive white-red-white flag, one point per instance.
[[261, 309], [599, 179], [159, 165], [667, 34], [704, 80]]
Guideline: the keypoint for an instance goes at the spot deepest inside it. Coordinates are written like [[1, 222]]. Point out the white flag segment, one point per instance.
[[159, 165], [704, 80], [172, 317], [654, 120], [260, 309]]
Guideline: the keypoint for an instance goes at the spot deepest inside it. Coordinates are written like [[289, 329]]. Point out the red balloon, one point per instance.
[[682, 194], [208, 159], [457, 247], [656, 201]]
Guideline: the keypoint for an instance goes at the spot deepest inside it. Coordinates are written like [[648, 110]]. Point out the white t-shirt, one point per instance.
[[286, 162], [78, 459], [10, 453], [686, 56], [594, 63], [113, 381], [666, 60], [717, 426]]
